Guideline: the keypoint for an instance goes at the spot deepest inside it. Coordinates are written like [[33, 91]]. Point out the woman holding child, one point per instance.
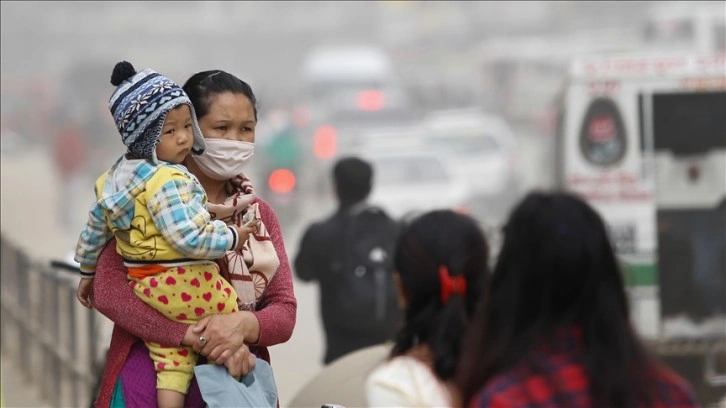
[[226, 111]]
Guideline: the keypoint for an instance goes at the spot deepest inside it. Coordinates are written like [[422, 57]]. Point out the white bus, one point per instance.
[[643, 139]]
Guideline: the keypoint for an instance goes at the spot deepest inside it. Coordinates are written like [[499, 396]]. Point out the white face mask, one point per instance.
[[223, 159]]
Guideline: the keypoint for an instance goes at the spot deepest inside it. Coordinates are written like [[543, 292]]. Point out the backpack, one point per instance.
[[366, 298]]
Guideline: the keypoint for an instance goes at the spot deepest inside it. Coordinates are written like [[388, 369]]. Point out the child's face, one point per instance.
[[176, 138]]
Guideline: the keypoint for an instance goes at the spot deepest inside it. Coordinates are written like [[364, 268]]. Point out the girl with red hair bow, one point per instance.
[[441, 262]]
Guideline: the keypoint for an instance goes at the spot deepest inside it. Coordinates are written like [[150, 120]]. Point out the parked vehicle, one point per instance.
[[409, 177], [642, 140], [486, 150]]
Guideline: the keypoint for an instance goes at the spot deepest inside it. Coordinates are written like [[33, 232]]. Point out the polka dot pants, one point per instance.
[[185, 294]]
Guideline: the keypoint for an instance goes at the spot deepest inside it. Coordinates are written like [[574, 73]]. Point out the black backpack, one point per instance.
[[363, 274]]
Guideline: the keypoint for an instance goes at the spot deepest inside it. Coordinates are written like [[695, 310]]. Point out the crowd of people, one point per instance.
[[190, 265]]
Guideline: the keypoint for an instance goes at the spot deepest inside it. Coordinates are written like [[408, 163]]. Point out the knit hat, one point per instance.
[[139, 106]]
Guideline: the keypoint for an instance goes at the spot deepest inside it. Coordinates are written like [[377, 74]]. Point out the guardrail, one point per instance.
[[45, 331]]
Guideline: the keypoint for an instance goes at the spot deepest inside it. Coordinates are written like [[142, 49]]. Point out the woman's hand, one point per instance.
[[240, 362], [225, 334], [190, 338]]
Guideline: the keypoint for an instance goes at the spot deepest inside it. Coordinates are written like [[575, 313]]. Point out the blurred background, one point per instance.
[[469, 96]]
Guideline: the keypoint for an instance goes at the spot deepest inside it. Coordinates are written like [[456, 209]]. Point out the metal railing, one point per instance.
[[45, 331]]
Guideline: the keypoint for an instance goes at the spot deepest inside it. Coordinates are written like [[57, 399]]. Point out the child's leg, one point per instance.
[[174, 370], [169, 399], [185, 294]]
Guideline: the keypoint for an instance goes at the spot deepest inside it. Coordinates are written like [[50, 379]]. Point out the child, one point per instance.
[[157, 211], [441, 262]]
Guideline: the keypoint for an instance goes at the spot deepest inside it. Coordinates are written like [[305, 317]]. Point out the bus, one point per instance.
[[642, 138]]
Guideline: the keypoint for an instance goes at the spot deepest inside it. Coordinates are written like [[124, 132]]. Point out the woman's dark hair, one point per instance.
[[556, 270], [202, 86], [438, 239]]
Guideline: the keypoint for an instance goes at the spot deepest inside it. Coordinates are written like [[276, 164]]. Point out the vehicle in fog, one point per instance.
[[328, 69], [411, 178], [347, 89], [279, 164], [336, 130], [643, 139], [521, 75], [485, 148], [690, 27]]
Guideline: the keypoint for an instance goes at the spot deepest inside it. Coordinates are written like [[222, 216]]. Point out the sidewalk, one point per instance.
[[17, 393]]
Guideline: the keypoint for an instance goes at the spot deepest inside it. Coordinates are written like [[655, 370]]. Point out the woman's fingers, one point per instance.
[[240, 362], [216, 354], [223, 357], [251, 361], [201, 325], [222, 332]]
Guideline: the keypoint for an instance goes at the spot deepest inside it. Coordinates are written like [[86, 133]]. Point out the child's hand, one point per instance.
[[244, 232], [85, 292]]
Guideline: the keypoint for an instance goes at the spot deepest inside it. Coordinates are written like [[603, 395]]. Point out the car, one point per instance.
[[327, 68], [409, 181], [487, 152]]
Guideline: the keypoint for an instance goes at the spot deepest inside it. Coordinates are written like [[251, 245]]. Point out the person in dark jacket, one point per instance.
[[358, 303]]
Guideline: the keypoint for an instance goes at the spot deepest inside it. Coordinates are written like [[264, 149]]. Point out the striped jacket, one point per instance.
[[157, 212]]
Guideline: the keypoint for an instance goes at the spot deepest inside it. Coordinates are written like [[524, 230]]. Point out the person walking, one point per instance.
[[349, 255]]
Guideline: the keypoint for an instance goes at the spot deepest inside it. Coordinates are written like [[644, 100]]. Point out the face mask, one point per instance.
[[223, 159]]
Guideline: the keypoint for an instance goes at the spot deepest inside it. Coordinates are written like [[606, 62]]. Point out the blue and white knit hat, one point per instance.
[[139, 107]]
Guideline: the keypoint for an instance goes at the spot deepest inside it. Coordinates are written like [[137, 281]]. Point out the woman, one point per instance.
[[227, 115], [555, 330], [441, 261]]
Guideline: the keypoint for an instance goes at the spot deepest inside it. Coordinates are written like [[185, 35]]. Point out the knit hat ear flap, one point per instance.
[[198, 146], [139, 107]]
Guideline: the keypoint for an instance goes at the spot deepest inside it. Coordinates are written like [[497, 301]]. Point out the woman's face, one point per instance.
[[230, 116]]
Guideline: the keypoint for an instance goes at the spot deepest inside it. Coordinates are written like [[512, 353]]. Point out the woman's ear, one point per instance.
[[400, 291]]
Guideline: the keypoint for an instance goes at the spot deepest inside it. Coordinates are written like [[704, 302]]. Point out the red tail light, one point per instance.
[[325, 142], [281, 181], [371, 100]]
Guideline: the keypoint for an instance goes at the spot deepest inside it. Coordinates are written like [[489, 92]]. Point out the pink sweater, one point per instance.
[[136, 320]]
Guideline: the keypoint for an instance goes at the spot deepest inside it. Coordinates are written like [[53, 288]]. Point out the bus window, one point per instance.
[[689, 123]]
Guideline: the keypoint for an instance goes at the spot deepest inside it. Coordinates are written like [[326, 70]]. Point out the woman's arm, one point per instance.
[[274, 319], [115, 299], [277, 308]]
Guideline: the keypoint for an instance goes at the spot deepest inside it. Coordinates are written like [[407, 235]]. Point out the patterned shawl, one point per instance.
[[251, 268]]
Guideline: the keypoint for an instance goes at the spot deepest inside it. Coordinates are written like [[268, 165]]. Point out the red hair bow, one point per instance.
[[451, 284]]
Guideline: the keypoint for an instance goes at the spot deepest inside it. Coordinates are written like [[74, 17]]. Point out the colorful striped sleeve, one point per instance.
[[92, 240], [178, 208]]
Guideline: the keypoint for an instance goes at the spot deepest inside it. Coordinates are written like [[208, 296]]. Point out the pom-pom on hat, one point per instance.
[[139, 106]]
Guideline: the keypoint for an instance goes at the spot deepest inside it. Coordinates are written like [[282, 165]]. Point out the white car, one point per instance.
[[328, 67], [408, 182], [485, 148]]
